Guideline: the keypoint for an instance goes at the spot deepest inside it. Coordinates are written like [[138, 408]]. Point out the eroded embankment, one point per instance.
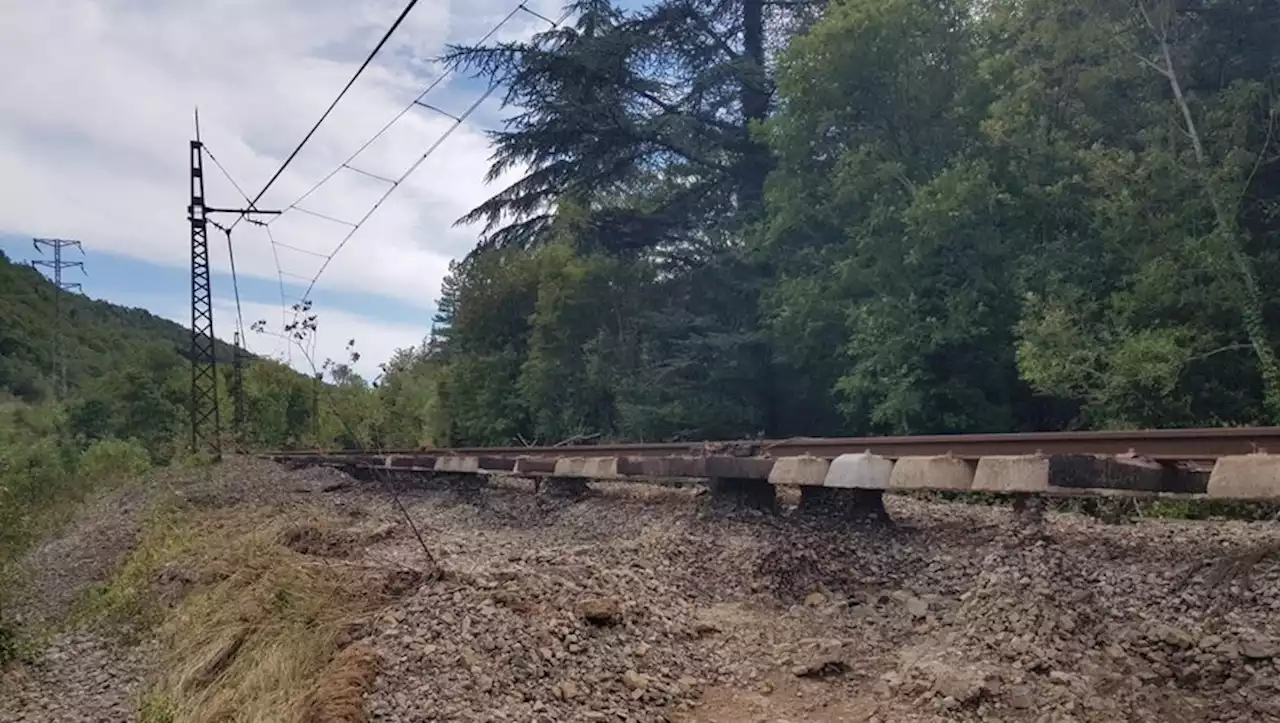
[[634, 604]]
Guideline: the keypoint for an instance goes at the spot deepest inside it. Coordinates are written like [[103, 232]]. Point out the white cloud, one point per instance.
[[95, 117]]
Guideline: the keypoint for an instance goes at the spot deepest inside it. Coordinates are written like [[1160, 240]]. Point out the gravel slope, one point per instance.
[[960, 614], [635, 604]]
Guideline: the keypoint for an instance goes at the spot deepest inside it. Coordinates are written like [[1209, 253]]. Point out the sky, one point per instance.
[[96, 114]]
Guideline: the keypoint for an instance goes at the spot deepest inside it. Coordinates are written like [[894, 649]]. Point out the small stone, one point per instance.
[[602, 611], [1259, 649], [568, 690], [821, 668], [917, 607], [703, 628], [1021, 698], [1170, 635], [469, 659], [960, 685], [635, 681]]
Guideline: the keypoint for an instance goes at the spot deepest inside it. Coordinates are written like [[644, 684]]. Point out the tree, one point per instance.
[[1137, 263], [1225, 181], [643, 117], [882, 205], [143, 401], [872, 217]]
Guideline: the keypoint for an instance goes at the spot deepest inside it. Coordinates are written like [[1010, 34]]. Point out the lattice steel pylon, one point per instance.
[[205, 427], [58, 364]]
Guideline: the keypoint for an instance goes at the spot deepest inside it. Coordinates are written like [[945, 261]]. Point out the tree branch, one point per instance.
[[1262, 152], [1219, 350]]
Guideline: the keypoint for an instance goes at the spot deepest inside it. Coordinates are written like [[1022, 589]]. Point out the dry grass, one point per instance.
[[260, 629], [338, 697]]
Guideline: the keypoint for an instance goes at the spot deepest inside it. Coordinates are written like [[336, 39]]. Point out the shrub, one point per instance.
[[113, 459]]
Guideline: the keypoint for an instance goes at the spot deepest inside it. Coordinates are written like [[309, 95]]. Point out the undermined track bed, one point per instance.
[[1221, 464], [629, 602], [649, 604]]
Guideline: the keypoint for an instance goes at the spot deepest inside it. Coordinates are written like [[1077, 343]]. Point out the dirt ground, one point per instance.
[[639, 604]]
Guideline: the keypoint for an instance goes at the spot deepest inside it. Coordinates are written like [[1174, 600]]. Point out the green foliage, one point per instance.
[[156, 708], [896, 227], [43, 475], [408, 400], [99, 339], [280, 405], [36, 464], [641, 117], [145, 400], [113, 459], [988, 216]]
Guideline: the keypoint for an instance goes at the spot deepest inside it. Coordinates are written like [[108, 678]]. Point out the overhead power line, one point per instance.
[[385, 37], [391, 189], [284, 313], [408, 107], [395, 183], [392, 183], [242, 338]]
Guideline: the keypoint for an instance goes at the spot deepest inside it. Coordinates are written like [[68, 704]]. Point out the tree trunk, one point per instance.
[[1227, 229], [756, 162]]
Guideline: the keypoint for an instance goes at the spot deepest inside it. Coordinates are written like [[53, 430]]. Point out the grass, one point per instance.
[[253, 598], [251, 628]]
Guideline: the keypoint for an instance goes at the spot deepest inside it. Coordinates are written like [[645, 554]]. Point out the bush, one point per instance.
[[34, 471], [113, 459]]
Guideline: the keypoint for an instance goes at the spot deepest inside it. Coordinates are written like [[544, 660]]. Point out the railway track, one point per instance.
[[1228, 463]]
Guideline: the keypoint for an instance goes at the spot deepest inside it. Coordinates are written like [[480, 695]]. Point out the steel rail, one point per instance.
[[1156, 444]]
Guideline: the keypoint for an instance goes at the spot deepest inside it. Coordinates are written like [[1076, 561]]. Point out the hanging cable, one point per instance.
[[393, 184], [416, 101], [457, 122], [284, 306], [231, 252], [386, 36]]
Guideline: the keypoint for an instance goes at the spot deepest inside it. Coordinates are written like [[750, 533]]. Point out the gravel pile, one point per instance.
[[80, 678], [58, 571], [959, 613], [1118, 626], [636, 604], [546, 636]]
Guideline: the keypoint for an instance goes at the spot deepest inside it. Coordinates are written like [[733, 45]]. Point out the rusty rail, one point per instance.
[[1167, 445]]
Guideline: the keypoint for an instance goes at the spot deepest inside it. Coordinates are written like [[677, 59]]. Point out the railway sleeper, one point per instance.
[[743, 481]]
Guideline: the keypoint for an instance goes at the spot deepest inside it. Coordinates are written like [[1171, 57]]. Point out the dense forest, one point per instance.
[[127, 373], [869, 216], [98, 338], [752, 217]]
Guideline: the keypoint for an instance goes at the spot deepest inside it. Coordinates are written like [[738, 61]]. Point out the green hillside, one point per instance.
[[100, 339]]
